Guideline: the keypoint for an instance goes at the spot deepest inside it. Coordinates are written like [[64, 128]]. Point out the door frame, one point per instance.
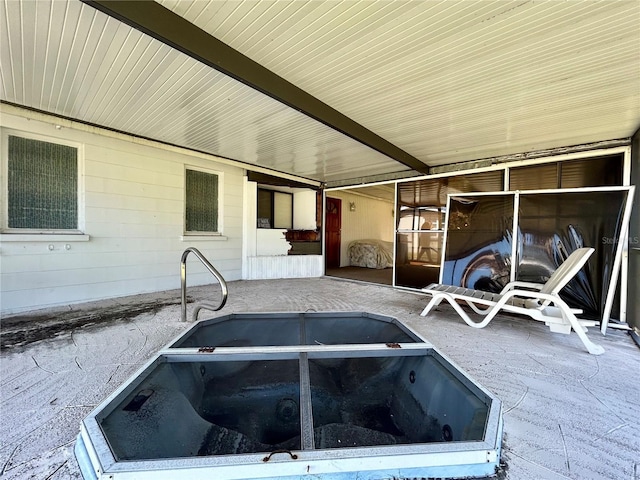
[[325, 237]]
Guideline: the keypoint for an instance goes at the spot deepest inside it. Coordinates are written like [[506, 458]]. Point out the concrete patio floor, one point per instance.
[[567, 414]]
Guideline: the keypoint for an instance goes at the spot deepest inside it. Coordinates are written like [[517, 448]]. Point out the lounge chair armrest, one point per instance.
[[517, 284]]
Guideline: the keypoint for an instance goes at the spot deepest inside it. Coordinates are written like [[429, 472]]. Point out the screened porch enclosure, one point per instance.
[[422, 217], [420, 223]]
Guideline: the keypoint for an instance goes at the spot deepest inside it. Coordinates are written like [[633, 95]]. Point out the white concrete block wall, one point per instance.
[[132, 210]]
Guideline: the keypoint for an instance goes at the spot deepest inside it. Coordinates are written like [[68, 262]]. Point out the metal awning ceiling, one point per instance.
[[399, 85]]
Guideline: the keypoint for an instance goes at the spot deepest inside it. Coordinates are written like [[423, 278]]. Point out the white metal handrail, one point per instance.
[[183, 284]]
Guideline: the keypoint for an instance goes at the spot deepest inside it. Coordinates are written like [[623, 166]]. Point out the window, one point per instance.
[[275, 209], [42, 185], [202, 191]]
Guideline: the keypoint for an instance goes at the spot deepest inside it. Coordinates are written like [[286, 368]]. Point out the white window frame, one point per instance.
[[31, 234], [204, 235]]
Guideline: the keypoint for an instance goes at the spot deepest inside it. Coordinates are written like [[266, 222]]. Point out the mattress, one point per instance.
[[371, 254]]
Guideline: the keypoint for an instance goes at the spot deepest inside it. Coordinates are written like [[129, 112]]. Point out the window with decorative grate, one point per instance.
[[42, 185], [202, 190]]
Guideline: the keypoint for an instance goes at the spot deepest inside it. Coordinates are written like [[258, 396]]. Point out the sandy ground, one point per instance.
[[567, 414]]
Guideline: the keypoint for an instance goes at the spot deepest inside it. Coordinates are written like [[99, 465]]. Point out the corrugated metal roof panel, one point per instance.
[[446, 81], [451, 81], [68, 59]]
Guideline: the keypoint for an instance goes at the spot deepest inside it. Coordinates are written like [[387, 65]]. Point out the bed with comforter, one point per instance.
[[371, 253]]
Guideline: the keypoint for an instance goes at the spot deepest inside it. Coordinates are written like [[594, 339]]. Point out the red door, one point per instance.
[[332, 232]]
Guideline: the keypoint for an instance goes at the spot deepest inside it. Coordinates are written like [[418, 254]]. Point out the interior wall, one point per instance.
[[372, 219], [132, 204]]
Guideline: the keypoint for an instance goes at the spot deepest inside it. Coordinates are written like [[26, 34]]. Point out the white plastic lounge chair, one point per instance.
[[538, 301]]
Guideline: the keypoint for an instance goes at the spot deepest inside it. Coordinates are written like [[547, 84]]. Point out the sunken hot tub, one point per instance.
[[291, 396]]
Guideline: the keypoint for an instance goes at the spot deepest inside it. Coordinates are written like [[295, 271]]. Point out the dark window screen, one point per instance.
[[202, 201], [42, 185]]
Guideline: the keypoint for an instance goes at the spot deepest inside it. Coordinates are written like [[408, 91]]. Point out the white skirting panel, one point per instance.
[[285, 266]]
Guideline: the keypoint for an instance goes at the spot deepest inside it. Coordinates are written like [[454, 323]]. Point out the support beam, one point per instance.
[[173, 30]]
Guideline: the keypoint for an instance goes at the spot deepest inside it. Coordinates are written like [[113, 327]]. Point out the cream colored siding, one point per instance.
[[133, 209]]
